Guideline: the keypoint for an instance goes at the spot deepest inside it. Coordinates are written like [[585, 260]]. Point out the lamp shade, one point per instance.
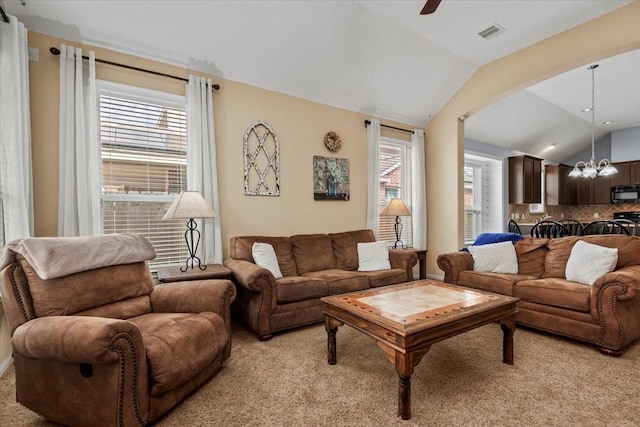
[[189, 204], [395, 207]]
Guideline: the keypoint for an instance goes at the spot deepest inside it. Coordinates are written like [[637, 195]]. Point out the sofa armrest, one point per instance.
[[627, 279], [403, 259], [453, 263], [79, 339], [251, 276], [215, 295], [615, 304]]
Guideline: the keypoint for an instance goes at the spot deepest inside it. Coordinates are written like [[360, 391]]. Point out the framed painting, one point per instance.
[[330, 178]]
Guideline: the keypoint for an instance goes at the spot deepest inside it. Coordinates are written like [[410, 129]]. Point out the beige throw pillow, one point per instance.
[[265, 257], [588, 262], [495, 258], [373, 256]]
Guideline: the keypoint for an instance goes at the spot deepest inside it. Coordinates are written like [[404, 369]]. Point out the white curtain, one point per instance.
[[15, 132], [373, 174], [418, 190], [202, 174], [79, 181]]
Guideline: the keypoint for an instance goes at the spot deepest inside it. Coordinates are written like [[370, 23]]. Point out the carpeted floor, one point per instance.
[[460, 382]]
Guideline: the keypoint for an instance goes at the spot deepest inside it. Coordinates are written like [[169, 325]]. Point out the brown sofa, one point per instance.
[[606, 314], [105, 347], [313, 266]]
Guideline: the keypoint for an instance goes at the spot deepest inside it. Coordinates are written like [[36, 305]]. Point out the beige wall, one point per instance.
[[300, 126], [606, 36]]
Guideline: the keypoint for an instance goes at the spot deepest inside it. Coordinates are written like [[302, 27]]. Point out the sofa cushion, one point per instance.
[[559, 251], [588, 262], [312, 252], [174, 344], [385, 277], [340, 281], [240, 247], [500, 283], [345, 251], [555, 292], [373, 256], [531, 256], [77, 292], [495, 257], [298, 288]]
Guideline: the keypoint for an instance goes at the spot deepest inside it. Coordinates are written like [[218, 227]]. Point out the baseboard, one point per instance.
[[435, 276], [5, 365]]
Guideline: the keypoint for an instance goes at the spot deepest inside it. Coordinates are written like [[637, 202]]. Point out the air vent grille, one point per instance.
[[491, 32]]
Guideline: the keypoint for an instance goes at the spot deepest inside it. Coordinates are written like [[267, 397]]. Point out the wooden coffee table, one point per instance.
[[407, 319]]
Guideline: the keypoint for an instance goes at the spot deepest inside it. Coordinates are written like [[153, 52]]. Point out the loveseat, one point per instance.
[[95, 343], [606, 314], [313, 266]]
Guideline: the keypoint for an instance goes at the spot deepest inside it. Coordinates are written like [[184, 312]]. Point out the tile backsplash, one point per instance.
[[583, 213]]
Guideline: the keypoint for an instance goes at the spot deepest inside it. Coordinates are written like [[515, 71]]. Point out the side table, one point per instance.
[[422, 261], [213, 271]]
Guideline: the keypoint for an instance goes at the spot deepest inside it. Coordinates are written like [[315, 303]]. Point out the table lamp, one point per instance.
[[397, 208], [190, 205]]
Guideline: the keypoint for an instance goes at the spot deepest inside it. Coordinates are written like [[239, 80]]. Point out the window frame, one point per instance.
[[404, 190], [166, 100]]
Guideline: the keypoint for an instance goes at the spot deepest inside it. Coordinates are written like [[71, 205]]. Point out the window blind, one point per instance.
[[144, 167], [395, 182]]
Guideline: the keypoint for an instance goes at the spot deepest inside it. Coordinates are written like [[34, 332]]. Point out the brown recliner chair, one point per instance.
[[95, 343]]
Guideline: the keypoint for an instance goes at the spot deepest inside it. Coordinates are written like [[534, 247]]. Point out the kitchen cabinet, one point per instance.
[[584, 191], [628, 174], [593, 191], [560, 189], [623, 177], [525, 180], [602, 189]]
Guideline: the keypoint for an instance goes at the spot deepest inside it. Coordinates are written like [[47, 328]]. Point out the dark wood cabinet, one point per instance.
[[525, 180], [560, 189], [623, 177], [634, 173], [584, 191], [593, 191], [602, 190]]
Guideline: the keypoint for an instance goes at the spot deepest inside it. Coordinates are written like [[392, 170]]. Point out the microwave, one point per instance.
[[626, 193]]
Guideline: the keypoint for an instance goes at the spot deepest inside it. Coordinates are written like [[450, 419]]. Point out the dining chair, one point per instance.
[[549, 228], [513, 227], [604, 227], [573, 225]]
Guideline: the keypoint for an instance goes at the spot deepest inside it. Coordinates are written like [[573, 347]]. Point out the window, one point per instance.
[[483, 196], [395, 182], [143, 139], [472, 201]]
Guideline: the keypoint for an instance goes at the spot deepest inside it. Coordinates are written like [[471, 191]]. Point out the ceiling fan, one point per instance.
[[429, 7]]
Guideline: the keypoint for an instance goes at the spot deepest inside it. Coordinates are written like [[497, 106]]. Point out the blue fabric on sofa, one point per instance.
[[488, 238]]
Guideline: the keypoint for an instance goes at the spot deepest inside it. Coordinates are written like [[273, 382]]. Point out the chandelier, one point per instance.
[[591, 169]]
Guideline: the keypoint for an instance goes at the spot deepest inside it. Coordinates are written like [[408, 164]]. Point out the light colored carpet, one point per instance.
[[460, 382]]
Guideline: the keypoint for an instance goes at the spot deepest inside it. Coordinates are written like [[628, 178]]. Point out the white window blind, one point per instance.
[[395, 182], [472, 201], [143, 139]]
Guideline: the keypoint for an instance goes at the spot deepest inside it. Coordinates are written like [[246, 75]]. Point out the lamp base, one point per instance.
[[189, 239], [398, 229]]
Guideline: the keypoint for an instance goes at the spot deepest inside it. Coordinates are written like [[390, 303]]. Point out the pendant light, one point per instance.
[[591, 169]]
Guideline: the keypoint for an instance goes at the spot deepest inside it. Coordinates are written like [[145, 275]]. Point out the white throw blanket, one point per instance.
[[53, 257]]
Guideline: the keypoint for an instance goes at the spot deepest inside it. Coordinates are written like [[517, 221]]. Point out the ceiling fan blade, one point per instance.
[[430, 6]]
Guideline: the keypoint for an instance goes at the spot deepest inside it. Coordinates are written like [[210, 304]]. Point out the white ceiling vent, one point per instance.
[[493, 31]]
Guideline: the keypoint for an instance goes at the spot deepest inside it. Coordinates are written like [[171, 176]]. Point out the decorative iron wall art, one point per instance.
[[330, 178], [261, 161]]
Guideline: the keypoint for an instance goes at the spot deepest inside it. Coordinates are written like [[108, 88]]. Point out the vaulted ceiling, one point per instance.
[[378, 57]]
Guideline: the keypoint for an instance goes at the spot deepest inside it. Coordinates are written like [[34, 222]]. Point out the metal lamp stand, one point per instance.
[[189, 237], [398, 229]]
